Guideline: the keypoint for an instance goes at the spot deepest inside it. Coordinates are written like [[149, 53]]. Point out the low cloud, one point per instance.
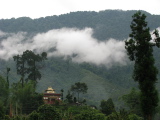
[[79, 45]]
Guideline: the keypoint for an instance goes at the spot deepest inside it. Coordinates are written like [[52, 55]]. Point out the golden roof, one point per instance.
[[50, 90]]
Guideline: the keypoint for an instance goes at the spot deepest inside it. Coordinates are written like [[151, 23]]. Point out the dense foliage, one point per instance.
[[132, 100], [140, 50], [48, 112], [106, 24], [24, 99], [79, 88], [63, 73], [4, 97], [102, 82], [26, 65], [107, 107], [123, 115]]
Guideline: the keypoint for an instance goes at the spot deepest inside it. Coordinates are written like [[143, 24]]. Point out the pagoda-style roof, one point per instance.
[[52, 94], [50, 90]]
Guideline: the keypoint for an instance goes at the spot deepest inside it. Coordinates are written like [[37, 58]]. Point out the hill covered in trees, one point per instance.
[[103, 82], [106, 24]]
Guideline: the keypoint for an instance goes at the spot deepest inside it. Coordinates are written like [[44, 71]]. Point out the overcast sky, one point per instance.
[[42, 8]]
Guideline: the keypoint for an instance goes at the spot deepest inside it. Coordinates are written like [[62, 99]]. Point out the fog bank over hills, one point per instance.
[[82, 47], [76, 44]]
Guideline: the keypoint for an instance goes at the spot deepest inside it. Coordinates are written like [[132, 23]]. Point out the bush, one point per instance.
[[90, 115], [6, 117], [47, 112], [123, 115], [134, 117], [2, 110], [34, 116]]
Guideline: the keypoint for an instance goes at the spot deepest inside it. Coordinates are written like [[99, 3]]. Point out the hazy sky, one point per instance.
[[42, 8]]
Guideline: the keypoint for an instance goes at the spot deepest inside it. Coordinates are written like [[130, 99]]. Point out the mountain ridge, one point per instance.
[[115, 24], [61, 74]]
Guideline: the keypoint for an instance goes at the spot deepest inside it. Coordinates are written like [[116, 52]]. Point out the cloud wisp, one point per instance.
[[77, 44]]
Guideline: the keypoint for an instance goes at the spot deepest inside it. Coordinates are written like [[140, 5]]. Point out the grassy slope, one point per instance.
[[62, 78]]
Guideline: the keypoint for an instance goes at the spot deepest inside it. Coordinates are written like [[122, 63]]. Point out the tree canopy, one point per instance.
[[106, 24], [132, 100], [140, 49], [27, 67], [79, 88], [107, 107]]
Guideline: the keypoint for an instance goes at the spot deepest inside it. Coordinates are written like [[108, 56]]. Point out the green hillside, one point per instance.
[[106, 24], [61, 74]]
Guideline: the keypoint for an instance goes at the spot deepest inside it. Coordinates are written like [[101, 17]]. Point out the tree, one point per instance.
[[33, 69], [27, 65], [132, 100], [69, 97], [25, 99], [4, 90], [90, 114], [34, 116], [123, 115], [8, 69], [48, 112], [4, 94], [45, 112], [62, 94], [79, 88], [20, 66], [2, 109], [107, 107], [139, 49], [33, 102]]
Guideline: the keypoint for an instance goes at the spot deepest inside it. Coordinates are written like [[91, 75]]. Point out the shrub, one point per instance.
[[90, 115]]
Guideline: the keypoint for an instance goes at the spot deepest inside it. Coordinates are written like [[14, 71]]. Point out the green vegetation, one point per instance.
[[26, 65], [107, 107], [4, 97], [132, 101], [106, 24], [105, 85], [48, 112], [79, 88], [139, 49], [24, 99], [123, 115]]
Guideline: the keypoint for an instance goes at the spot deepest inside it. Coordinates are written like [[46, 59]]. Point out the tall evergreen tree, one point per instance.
[[140, 49], [27, 65], [20, 66], [8, 69], [33, 67]]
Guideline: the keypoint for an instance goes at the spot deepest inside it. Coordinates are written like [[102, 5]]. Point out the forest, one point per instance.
[[111, 90]]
